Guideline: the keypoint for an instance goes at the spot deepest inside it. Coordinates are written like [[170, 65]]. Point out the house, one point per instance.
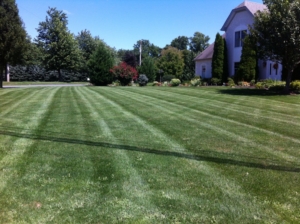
[[236, 29]]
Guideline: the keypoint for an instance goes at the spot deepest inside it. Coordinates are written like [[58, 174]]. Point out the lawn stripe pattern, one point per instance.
[[148, 155]]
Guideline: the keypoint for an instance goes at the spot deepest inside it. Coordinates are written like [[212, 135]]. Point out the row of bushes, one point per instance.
[[39, 73]]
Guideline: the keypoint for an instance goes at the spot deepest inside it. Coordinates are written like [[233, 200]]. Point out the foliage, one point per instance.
[[268, 83], [216, 81], [218, 57], [130, 59], [60, 47], [142, 80], [230, 82], [124, 73], [196, 81], [189, 64], [12, 36], [99, 65], [199, 42], [168, 78], [148, 67], [295, 85], [175, 82], [155, 83], [181, 42], [148, 49], [277, 32], [171, 62], [247, 67], [225, 63]]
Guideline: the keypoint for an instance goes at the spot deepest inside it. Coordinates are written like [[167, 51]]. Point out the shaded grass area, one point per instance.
[[148, 155]]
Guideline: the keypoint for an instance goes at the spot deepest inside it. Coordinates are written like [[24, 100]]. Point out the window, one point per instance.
[[239, 37]]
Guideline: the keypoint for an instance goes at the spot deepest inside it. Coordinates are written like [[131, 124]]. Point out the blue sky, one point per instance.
[[121, 23]]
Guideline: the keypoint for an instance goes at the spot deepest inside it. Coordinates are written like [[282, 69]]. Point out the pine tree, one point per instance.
[[218, 58], [12, 36]]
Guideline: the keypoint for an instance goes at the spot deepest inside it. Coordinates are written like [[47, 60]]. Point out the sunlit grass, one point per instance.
[[148, 155]]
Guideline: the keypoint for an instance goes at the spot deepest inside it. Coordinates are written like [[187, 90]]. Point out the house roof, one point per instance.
[[251, 7], [207, 53]]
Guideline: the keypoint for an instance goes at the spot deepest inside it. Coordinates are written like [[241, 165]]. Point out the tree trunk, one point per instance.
[[288, 81], [59, 75], [1, 75]]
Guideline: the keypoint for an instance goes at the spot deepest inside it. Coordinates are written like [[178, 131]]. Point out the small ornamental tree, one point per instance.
[[124, 73]]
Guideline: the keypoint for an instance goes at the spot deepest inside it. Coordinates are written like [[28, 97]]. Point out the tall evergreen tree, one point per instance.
[[148, 68], [247, 67], [100, 63], [225, 64], [59, 45], [12, 36], [218, 58]]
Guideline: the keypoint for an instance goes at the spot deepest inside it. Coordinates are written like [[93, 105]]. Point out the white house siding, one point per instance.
[[267, 70], [240, 22], [203, 64]]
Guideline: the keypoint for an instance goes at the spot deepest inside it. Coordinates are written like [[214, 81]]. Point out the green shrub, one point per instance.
[[215, 81], [142, 80], [155, 83], [230, 82], [175, 82], [167, 78], [259, 85], [252, 82], [277, 88], [196, 82], [295, 85]]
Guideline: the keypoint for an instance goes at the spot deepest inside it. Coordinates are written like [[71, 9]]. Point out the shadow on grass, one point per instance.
[[249, 92], [152, 151]]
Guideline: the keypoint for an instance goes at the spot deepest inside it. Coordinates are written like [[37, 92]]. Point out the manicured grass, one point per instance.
[[148, 155]]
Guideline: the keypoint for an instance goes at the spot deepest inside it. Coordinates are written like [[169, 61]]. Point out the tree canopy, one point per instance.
[[180, 42], [277, 32], [12, 35], [199, 42], [171, 62], [59, 45]]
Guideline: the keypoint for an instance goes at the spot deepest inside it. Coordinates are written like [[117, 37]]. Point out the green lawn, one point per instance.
[[148, 155]]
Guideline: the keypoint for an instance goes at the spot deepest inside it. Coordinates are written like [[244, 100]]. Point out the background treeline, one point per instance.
[[58, 55]]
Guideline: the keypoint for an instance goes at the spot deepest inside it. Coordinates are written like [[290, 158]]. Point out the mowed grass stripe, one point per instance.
[[20, 145], [270, 128], [183, 164], [282, 103], [134, 190], [201, 126]]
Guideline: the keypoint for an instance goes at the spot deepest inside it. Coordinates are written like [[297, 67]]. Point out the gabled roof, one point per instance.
[[207, 53], [251, 7]]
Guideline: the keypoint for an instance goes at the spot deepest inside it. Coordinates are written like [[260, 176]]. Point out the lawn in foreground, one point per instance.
[[148, 155]]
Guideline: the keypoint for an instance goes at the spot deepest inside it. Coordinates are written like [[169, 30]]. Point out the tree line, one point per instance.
[[58, 55]]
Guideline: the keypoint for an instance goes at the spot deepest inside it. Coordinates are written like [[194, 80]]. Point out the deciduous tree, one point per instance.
[[199, 42], [181, 42], [59, 45], [171, 62], [277, 31]]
